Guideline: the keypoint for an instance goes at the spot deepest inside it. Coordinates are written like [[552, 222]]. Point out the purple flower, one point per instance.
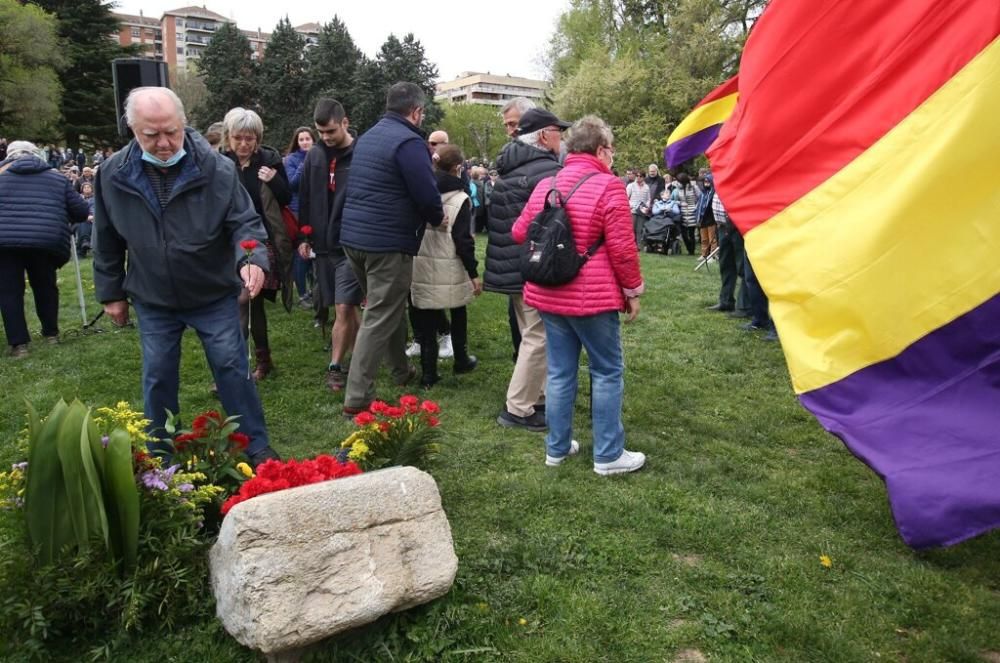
[[104, 441], [168, 473], [20, 466], [185, 487], [152, 480]]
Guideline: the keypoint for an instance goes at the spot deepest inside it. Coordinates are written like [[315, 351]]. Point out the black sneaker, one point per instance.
[[535, 422], [258, 457], [467, 365]]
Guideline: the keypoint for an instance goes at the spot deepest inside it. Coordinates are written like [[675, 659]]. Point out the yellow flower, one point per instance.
[[245, 470], [359, 451], [825, 561], [522, 621]]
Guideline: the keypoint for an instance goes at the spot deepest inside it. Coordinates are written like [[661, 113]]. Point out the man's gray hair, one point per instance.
[[139, 91], [22, 148], [241, 119], [522, 104]]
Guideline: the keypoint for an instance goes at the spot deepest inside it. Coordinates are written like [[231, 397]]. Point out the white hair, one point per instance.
[[522, 104], [241, 119], [531, 139], [139, 91], [22, 148]]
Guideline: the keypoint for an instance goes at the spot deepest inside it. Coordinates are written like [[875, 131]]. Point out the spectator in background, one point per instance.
[[37, 206], [639, 203], [263, 176], [302, 141], [687, 197], [584, 313], [654, 181], [83, 230], [214, 135], [3, 148], [706, 219], [391, 197], [730, 258]]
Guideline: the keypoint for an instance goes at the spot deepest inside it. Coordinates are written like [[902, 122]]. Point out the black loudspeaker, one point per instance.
[[130, 73]]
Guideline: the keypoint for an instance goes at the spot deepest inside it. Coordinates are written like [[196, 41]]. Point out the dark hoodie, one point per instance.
[[461, 231], [37, 205], [521, 167]]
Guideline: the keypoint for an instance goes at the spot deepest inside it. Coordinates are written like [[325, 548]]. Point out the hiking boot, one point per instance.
[[264, 365], [336, 378], [553, 461], [629, 461], [466, 365], [535, 422], [19, 351], [52, 340]]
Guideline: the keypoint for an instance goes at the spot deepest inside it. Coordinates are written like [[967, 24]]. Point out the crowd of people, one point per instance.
[[197, 231]]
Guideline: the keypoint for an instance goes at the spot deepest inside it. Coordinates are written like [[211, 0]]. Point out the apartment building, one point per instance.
[[477, 88]]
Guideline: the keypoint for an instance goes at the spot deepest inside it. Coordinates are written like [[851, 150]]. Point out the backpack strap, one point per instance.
[[592, 249]]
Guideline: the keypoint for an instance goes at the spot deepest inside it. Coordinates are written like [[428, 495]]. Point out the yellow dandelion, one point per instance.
[[522, 621], [245, 470], [825, 561]]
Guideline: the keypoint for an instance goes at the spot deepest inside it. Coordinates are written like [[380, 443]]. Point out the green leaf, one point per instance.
[[97, 519], [124, 495], [68, 445], [45, 507]]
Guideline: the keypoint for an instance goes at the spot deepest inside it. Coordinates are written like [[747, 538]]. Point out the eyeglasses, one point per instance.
[[433, 143], [243, 139]]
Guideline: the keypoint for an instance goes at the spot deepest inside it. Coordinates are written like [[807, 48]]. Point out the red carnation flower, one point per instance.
[[408, 400], [432, 421], [384, 427], [306, 230], [248, 245], [364, 418], [378, 407], [242, 440], [430, 407], [187, 437], [394, 412]]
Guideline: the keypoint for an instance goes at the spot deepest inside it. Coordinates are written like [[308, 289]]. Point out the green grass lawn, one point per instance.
[[712, 552]]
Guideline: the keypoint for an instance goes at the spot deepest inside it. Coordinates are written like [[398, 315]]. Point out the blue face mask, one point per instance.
[[149, 158]]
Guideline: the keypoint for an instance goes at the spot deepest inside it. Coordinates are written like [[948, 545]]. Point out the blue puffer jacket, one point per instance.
[[293, 169], [392, 192], [37, 204]]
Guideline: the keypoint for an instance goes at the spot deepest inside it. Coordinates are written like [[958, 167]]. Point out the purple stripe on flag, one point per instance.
[[928, 422], [690, 146]]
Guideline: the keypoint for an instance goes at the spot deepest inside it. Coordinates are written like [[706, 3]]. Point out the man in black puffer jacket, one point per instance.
[[522, 165], [37, 204]]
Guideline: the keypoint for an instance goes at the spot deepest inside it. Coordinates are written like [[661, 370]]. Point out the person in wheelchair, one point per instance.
[[660, 232]]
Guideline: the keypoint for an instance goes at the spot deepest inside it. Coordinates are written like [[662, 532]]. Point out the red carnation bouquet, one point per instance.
[[212, 446], [274, 475], [387, 435]]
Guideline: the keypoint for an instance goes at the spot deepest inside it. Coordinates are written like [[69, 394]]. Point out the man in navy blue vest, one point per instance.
[[391, 196]]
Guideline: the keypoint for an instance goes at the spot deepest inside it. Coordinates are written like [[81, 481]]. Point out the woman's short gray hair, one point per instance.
[[588, 134], [240, 119], [22, 148]]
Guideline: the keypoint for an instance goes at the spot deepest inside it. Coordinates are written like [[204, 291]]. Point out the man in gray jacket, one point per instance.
[[177, 210]]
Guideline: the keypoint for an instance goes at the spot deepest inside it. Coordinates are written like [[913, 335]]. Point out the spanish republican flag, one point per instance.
[[862, 163], [699, 129]]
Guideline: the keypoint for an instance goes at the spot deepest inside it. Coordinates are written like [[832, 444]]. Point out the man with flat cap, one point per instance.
[[522, 164]]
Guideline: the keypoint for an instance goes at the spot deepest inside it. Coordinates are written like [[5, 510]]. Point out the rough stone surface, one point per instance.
[[300, 565]]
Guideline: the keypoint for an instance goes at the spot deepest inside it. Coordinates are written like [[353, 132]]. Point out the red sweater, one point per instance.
[[598, 207]]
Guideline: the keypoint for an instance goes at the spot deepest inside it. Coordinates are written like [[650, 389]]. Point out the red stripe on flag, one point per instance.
[[725, 89], [822, 81]]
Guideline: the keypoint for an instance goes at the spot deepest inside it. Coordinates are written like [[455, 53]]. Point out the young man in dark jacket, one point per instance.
[[391, 197], [177, 209], [322, 184]]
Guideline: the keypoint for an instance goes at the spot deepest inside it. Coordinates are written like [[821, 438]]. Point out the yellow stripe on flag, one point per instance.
[[712, 113], [901, 241]]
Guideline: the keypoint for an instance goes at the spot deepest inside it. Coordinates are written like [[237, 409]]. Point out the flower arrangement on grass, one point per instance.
[[404, 434], [274, 475], [212, 447]]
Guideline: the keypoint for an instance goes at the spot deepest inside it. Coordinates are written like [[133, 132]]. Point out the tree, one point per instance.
[[281, 78], [190, 87], [84, 38], [475, 128], [642, 64], [332, 66], [230, 74], [29, 82], [396, 61]]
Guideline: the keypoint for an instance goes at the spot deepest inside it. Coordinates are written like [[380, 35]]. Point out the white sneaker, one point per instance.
[[629, 461], [574, 449], [413, 349], [445, 351]]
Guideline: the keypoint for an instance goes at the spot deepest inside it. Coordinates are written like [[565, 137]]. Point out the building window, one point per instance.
[[135, 32], [180, 23], [180, 50], [180, 36]]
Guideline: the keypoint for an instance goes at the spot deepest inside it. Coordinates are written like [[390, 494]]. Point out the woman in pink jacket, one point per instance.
[[584, 312]]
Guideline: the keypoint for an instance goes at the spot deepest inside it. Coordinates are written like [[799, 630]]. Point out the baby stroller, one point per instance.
[[660, 234]]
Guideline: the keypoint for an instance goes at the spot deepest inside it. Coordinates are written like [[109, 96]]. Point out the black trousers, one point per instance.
[[426, 323], [731, 267], [688, 234], [40, 267]]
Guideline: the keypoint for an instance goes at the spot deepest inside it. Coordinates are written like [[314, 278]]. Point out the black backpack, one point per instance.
[[549, 256]]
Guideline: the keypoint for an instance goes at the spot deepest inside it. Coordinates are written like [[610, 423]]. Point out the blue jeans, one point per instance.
[[758, 299], [218, 326], [600, 336]]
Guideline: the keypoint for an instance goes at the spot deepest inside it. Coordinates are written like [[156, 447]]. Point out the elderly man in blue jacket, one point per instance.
[[391, 196], [177, 210]]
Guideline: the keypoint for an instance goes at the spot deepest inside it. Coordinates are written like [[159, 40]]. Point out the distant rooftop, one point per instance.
[[198, 12]]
